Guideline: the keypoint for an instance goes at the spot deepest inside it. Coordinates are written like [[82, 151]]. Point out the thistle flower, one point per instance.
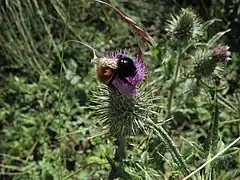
[[221, 53], [122, 106], [210, 60]]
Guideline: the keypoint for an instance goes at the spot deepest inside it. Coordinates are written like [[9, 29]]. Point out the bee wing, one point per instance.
[[108, 62]]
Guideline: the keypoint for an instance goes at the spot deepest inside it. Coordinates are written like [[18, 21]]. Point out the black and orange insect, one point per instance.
[[108, 69]]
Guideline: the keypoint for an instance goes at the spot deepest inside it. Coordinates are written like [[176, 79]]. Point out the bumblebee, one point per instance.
[[109, 68]]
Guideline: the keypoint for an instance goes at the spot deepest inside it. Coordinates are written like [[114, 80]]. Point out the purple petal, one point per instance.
[[141, 73]]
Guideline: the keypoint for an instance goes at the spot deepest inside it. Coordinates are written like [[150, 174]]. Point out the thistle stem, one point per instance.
[[120, 151], [162, 134], [213, 136], [214, 126], [118, 168], [173, 87]]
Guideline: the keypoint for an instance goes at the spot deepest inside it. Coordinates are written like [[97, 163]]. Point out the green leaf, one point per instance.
[[210, 22], [216, 37], [155, 52], [226, 103], [145, 158]]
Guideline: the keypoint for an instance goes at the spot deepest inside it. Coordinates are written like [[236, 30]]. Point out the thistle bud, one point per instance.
[[185, 26], [221, 53]]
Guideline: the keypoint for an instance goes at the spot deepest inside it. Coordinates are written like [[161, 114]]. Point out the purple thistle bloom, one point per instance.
[[221, 53], [128, 85]]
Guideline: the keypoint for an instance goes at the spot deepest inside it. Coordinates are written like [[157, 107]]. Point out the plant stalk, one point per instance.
[[173, 87], [118, 163], [120, 151], [213, 136]]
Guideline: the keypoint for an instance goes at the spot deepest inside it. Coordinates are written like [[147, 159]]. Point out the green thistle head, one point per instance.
[[209, 60], [122, 114], [185, 26]]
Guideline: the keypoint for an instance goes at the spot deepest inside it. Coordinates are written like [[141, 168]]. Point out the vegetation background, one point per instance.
[[47, 127]]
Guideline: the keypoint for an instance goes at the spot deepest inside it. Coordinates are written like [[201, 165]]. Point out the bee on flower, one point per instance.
[[121, 72]]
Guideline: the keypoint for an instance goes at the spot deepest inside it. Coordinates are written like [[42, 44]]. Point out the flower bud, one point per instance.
[[221, 53]]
